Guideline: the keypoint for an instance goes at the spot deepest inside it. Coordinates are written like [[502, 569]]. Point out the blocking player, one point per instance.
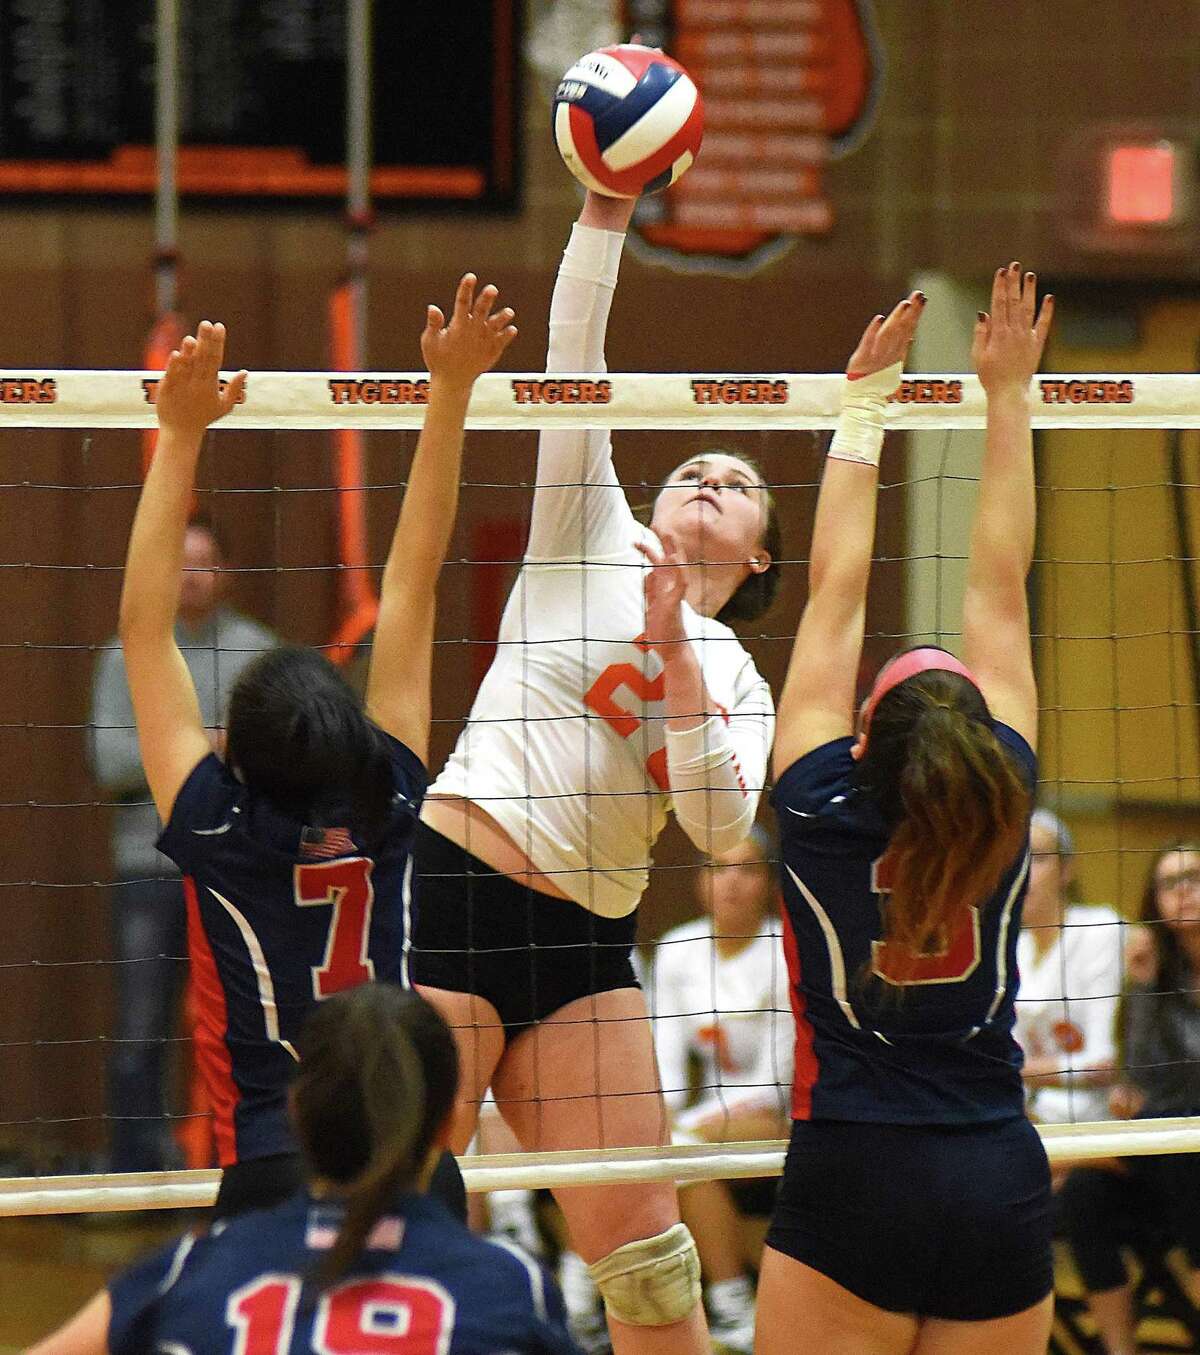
[[914, 1213], [295, 843], [361, 1258]]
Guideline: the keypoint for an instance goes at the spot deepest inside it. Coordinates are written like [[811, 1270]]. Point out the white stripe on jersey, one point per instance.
[[534, 1271], [406, 908], [186, 1243], [262, 974], [1002, 939], [837, 963]]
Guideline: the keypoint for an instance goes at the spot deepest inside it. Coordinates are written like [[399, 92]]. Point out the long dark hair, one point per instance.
[[377, 1079], [297, 733], [756, 592], [957, 807]]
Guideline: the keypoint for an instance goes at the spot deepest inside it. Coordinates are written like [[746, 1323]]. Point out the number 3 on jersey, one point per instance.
[[901, 965], [345, 886]]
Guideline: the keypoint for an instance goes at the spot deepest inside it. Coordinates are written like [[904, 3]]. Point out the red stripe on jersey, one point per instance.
[[806, 1067], [212, 1024]]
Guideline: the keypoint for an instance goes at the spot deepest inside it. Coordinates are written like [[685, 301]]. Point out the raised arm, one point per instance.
[[818, 694], [398, 684], [1006, 351], [170, 729], [579, 509]]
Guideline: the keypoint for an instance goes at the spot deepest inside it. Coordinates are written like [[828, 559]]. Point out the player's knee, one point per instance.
[[651, 1282]]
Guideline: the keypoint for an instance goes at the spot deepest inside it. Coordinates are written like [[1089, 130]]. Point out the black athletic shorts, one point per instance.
[[528, 953], [266, 1181], [948, 1221]]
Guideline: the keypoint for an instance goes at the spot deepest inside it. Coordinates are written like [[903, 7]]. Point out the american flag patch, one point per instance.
[[320, 844]]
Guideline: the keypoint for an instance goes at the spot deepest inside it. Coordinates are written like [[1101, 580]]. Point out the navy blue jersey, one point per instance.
[[881, 1035], [280, 915], [423, 1285]]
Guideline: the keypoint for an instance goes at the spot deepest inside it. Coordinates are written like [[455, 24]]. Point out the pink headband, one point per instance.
[[908, 665]]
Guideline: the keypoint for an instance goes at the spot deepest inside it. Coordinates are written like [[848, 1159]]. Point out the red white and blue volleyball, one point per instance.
[[627, 120]]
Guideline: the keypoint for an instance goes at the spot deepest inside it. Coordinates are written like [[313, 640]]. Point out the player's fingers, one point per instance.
[[212, 346], [484, 302], [651, 554], [501, 318], [999, 306], [235, 390], [464, 296], [1041, 326], [434, 319]]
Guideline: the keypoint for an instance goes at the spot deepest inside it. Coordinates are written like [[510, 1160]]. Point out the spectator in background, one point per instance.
[[720, 1004], [1138, 1200], [1069, 955], [148, 912]]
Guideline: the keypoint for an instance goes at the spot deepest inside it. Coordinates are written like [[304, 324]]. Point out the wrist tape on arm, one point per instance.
[[859, 433]]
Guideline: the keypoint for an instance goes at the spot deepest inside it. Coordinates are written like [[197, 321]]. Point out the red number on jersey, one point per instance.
[[388, 1315], [901, 965], [346, 887], [263, 1314], [601, 698]]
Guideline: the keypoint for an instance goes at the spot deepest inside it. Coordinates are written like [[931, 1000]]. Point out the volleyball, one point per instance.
[[627, 120]]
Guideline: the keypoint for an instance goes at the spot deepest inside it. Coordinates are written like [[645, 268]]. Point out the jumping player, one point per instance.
[[610, 701], [361, 1260], [914, 1214], [295, 843]]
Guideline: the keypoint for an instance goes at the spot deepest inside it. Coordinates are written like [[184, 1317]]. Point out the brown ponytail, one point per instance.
[[958, 805], [377, 1079]]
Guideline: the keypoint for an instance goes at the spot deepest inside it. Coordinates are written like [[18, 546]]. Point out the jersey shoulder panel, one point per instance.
[[205, 809]]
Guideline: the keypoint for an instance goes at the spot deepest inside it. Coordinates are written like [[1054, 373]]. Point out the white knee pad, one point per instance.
[[651, 1282]]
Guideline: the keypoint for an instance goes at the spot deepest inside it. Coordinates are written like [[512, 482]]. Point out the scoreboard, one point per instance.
[[262, 98]]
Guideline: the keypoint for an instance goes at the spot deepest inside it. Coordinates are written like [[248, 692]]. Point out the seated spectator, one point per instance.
[[719, 997], [1139, 1199], [1069, 955]]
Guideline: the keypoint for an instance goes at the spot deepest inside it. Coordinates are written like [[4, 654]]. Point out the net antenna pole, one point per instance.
[[1187, 551], [166, 331], [357, 600], [193, 1131]]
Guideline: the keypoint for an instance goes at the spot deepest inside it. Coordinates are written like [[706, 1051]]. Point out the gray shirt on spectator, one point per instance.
[[215, 655], [1162, 1050]]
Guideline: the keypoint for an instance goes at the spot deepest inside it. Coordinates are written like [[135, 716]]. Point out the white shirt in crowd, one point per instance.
[[733, 1015], [1067, 1009], [566, 745]]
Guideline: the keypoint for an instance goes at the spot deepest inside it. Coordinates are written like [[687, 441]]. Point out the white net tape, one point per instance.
[[597, 1166], [635, 400]]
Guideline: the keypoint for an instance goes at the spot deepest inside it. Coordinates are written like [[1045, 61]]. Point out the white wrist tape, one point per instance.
[[859, 433]]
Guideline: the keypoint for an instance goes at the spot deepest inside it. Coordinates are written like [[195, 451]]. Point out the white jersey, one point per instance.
[[566, 745], [733, 1015], [1067, 1008]]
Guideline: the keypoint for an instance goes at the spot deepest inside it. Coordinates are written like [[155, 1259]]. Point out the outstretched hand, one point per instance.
[[886, 339], [458, 352], [191, 394], [1008, 341], [665, 589]]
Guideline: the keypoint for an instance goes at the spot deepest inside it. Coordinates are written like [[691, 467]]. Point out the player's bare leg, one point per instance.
[[587, 1077], [480, 1040], [802, 1312]]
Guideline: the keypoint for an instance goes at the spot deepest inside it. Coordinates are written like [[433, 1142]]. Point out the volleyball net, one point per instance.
[[1117, 651]]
